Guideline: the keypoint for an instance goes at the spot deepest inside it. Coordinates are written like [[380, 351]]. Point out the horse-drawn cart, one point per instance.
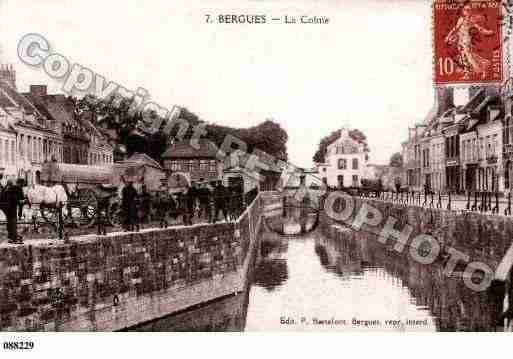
[[88, 189]]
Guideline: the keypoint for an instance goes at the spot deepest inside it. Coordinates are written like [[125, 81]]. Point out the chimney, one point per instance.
[[8, 74], [38, 90], [444, 99]]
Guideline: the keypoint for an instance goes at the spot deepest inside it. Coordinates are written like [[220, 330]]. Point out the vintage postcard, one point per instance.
[[337, 165]]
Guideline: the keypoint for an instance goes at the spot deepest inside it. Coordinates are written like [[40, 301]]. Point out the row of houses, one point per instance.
[[462, 148], [37, 127]]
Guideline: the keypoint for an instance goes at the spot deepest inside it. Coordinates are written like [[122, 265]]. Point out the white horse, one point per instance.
[[46, 197]]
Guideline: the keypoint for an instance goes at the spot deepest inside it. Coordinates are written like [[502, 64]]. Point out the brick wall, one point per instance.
[[122, 279], [482, 237]]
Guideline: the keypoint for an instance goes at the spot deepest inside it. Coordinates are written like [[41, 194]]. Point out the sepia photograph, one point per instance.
[[340, 166]]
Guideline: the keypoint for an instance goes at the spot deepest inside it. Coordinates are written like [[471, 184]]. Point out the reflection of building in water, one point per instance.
[[341, 257], [454, 306], [223, 315], [270, 267]]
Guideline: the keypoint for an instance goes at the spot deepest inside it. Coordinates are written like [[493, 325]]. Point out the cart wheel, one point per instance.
[[88, 207], [50, 215]]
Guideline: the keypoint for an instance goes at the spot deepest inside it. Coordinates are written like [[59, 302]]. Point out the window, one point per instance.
[[203, 165], [355, 163], [6, 146], [494, 145], [21, 146], [13, 152], [340, 179], [342, 164], [212, 166], [29, 148], [355, 180], [340, 150]]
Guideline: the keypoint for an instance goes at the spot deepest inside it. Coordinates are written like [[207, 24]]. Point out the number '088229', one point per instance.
[[18, 345]]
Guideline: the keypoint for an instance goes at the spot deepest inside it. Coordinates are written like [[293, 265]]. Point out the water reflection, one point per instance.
[[318, 283], [329, 287], [271, 266], [224, 315]]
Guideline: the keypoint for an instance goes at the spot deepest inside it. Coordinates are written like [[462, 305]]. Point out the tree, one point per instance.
[[132, 128], [396, 160]]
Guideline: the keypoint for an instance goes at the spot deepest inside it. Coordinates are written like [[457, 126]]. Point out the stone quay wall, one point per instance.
[[483, 238], [117, 281]]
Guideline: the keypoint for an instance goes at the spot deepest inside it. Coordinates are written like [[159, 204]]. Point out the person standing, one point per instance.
[[220, 201], [145, 204], [190, 203], [12, 197], [129, 205]]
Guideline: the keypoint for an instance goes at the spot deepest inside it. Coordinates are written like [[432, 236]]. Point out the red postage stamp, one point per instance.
[[468, 46]]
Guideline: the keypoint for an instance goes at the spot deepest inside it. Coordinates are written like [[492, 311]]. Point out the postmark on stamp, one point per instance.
[[468, 44]]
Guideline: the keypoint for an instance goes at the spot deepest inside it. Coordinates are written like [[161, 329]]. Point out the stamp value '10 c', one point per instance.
[[468, 46]]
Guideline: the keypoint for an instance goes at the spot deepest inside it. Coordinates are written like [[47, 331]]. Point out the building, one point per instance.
[[235, 171], [388, 175], [36, 128], [82, 142], [460, 149], [195, 163], [8, 169], [152, 173], [346, 162], [36, 140], [507, 142]]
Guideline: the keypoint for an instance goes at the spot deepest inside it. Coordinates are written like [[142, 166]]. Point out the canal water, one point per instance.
[[314, 283]]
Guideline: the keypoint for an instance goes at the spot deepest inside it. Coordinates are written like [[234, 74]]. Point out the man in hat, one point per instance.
[[11, 198], [20, 183], [129, 204], [190, 201], [221, 201], [145, 203], [204, 196]]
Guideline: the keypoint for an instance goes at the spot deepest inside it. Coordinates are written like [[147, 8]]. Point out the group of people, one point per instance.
[[209, 201], [206, 201]]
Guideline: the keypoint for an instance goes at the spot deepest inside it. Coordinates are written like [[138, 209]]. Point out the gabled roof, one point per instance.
[[39, 105], [474, 102], [142, 158], [184, 149], [18, 99]]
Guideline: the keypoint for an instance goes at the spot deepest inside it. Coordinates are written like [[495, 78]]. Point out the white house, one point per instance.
[[346, 162]]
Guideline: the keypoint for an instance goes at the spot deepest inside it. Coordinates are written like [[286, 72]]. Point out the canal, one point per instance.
[[314, 283]]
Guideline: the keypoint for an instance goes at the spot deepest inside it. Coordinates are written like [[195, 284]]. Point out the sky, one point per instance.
[[369, 68]]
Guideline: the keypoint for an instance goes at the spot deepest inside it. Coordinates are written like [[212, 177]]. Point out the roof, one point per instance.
[[39, 105], [184, 149], [17, 99], [72, 173], [142, 158]]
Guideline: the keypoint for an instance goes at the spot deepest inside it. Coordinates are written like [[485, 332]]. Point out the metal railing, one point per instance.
[[474, 201]]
